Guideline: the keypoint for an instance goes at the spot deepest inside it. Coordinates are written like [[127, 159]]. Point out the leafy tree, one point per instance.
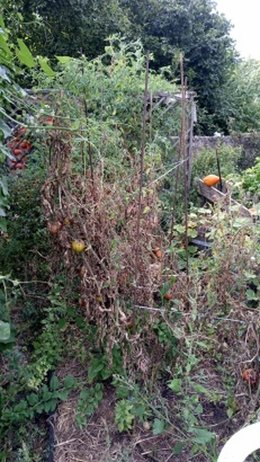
[[166, 27], [202, 34], [67, 27], [241, 98]]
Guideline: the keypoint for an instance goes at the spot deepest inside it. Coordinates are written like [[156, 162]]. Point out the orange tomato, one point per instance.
[[211, 180], [157, 252]]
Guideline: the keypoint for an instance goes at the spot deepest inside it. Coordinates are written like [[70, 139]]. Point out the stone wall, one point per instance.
[[249, 143]]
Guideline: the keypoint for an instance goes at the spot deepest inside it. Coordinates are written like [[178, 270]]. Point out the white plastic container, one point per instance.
[[243, 443]]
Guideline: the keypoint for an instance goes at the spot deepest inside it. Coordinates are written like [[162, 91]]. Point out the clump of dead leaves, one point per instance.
[[93, 223]]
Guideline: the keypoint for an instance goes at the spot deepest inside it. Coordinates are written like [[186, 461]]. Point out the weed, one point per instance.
[[124, 416], [89, 400]]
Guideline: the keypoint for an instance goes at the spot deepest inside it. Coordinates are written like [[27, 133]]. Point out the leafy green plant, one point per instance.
[[124, 416], [243, 107], [26, 230], [251, 178], [133, 402], [88, 402], [100, 368], [158, 426], [48, 345], [98, 107], [17, 411], [191, 411], [10, 92], [205, 162]]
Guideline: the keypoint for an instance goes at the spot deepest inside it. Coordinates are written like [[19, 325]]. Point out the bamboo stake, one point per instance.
[[90, 154], [143, 140], [218, 165], [190, 149], [186, 175], [183, 150]]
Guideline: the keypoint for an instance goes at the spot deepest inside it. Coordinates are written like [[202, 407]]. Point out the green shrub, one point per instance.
[[27, 240], [206, 163], [251, 178]]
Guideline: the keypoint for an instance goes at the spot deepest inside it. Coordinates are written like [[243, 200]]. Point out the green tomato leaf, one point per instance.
[[69, 381], [192, 233], [251, 295], [64, 59], [32, 399], [45, 66], [177, 448], [200, 389], [24, 55], [3, 225], [63, 395], [158, 427], [180, 229], [3, 44], [95, 368], [50, 405], [3, 186], [54, 383], [2, 24], [175, 385], [202, 436]]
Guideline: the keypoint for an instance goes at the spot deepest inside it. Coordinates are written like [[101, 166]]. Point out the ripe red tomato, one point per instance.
[[19, 166], [26, 145], [17, 152]]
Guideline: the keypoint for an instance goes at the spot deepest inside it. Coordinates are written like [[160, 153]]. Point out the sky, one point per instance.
[[245, 16]]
